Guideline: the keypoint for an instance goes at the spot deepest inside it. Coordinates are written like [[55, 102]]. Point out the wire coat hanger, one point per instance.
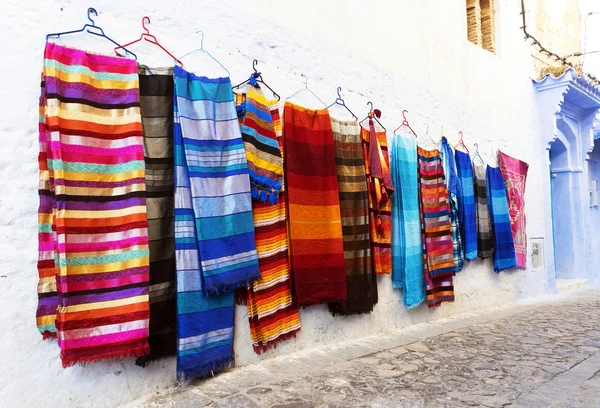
[[461, 142], [477, 155], [257, 76], [405, 123], [204, 51], [373, 114], [91, 29], [339, 101], [149, 38], [306, 89], [436, 144]]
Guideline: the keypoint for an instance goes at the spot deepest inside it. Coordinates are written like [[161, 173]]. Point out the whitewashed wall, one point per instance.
[[401, 54]]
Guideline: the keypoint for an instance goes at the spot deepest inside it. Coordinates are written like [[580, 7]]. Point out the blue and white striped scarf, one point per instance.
[[214, 229], [504, 247], [455, 196], [466, 206]]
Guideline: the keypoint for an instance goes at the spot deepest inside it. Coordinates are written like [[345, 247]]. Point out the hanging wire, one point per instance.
[[551, 54]]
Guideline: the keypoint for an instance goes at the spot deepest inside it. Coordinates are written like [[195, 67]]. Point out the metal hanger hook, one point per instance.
[[201, 39], [146, 20], [92, 11], [254, 64], [370, 105], [339, 91], [476, 146], [305, 80], [404, 112]]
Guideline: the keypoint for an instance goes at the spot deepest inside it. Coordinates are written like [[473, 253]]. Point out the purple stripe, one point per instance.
[[101, 276], [98, 184], [96, 206], [104, 297], [48, 301], [85, 91], [47, 310]]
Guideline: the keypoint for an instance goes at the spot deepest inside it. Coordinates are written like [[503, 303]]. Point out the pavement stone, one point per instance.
[[534, 355]]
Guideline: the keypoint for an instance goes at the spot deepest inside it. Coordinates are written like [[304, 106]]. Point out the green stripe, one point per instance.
[[47, 327], [45, 228], [104, 259], [81, 69], [96, 168]]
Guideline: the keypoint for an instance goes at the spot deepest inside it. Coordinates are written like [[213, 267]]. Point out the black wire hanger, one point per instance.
[[373, 114], [340, 101], [257, 76], [91, 29]]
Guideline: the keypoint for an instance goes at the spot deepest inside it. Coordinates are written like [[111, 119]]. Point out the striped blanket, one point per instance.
[[455, 196], [380, 187], [407, 246], [514, 173], [504, 247], [272, 313], [485, 238], [93, 231], [315, 226], [467, 213], [361, 281], [438, 262], [262, 150], [214, 232], [156, 102]]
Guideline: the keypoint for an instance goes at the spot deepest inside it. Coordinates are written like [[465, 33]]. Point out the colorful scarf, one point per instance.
[[361, 282], [455, 195], [315, 225], [272, 313], [504, 247], [438, 262], [485, 238], [93, 230], [262, 150], [214, 231], [514, 173], [407, 246], [156, 100], [467, 213], [379, 184]]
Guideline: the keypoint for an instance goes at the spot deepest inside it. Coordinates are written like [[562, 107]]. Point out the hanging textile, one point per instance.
[[407, 245], [93, 225], [272, 313], [438, 262], [485, 238], [262, 150], [514, 173], [379, 184], [214, 231], [504, 248], [466, 206], [156, 105], [455, 195], [315, 226], [361, 281]]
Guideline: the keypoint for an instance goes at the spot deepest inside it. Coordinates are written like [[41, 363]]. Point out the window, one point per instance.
[[480, 23]]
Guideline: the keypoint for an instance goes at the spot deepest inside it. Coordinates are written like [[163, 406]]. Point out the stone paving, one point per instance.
[[537, 355]]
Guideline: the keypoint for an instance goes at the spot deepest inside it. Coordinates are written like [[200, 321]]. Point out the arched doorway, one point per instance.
[[562, 232]]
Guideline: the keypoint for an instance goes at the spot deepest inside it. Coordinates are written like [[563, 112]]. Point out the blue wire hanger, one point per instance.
[[91, 29], [306, 89], [340, 101], [206, 52]]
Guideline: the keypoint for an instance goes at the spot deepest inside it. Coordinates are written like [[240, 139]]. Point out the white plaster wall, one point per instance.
[[401, 54]]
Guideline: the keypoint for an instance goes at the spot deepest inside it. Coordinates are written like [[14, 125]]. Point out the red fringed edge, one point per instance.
[[47, 334], [77, 356], [272, 344]]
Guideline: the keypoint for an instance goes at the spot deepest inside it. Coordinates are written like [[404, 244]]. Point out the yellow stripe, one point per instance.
[[107, 192], [44, 320], [103, 305], [86, 79], [138, 209], [102, 268], [277, 169], [69, 175], [75, 111]]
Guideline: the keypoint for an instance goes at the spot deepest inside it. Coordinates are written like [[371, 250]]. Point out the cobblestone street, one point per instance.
[[543, 354]]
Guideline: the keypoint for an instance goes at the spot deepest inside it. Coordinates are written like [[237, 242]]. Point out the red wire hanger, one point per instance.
[[150, 38], [461, 142], [405, 123]]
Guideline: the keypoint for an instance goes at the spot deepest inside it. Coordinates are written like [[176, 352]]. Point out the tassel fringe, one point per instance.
[[206, 369]]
